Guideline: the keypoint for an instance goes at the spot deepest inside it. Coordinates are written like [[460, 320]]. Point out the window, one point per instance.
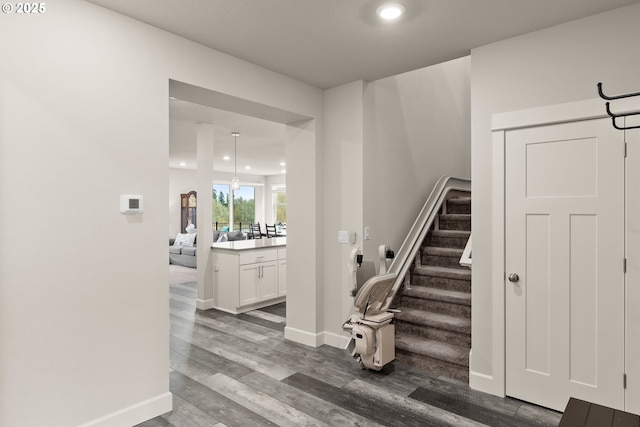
[[280, 204], [244, 207], [220, 206]]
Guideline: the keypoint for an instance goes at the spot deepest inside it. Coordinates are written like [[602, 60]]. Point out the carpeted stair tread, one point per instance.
[[436, 320], [439, 251], [459, 205], [460, 199], [434, 349], [446, 238], [461, 273], [456, 217], [451, 233], [424, 292]]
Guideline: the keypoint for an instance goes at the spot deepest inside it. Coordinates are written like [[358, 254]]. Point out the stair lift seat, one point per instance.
[[372, 330]]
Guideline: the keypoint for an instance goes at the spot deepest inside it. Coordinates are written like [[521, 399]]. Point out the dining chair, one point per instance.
[[255, 231], [271, 230]]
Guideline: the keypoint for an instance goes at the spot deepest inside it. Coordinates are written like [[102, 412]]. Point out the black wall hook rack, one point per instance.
[[615, 116]]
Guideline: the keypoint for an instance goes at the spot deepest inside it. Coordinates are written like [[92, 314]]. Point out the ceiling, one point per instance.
[[325, 43], [260, 144]]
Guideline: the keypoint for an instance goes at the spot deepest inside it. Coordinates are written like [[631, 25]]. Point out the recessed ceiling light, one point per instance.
[[390, 11], [247, 167], [226, 157], [283, 164], [183, 164], [284, 171]]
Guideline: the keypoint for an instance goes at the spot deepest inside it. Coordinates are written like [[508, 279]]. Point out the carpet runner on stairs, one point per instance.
[[433, 328]]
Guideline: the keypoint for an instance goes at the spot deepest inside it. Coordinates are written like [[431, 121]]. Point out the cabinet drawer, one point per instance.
[[282, 253], [252, 257]]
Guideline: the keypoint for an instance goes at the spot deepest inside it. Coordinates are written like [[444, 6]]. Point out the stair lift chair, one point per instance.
[[372, 330]]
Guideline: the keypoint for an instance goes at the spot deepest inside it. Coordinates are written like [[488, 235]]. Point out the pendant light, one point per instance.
[[235, 183]]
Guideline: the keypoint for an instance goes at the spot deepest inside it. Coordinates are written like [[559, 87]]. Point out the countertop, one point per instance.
[[243, 245]]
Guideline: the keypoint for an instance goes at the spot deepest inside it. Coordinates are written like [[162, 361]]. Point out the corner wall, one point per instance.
[[343, 195], [552, 66]]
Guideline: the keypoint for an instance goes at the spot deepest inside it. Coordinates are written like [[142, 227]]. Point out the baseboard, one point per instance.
[[485, 383], [135, 414], [336, 340], [303, 337], [204, 304]]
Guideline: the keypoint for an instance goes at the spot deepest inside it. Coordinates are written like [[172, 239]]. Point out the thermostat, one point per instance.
[[130, 203]]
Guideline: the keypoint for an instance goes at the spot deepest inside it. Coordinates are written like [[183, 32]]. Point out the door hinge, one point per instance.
[[624, 266], [625, 149], [624, 381]]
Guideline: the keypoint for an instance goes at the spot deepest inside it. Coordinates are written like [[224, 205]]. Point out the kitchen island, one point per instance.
[[249, 274]]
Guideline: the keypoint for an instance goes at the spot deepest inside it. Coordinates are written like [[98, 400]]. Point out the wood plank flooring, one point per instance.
[[238, 370]]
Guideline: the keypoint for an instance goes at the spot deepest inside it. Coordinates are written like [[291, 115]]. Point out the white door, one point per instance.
[[564, 219]]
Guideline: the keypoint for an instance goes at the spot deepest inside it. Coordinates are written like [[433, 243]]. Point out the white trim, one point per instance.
[[587, 109], [204, 304], [560, 113], [485, 383], [303, 337], [336, 340], [495, 382], [135, 414], [498, 263]]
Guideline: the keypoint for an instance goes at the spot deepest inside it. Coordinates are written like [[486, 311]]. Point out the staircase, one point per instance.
[[433, 329]]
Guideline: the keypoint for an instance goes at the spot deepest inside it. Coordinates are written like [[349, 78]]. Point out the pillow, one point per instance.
[[223, 238], [185, 240], [235, 235]]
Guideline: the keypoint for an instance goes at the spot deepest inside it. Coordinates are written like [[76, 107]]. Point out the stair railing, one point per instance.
[[406, 254]]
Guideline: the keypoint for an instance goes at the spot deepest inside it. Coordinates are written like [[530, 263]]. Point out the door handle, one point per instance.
[[513, 277]]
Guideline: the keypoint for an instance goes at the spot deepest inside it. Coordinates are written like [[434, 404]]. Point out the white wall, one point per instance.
[[557, 65], [83, 295], [343, 196], [304, 242], [416, 129]]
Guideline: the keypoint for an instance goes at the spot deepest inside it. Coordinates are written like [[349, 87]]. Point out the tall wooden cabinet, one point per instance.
[[188, 210]]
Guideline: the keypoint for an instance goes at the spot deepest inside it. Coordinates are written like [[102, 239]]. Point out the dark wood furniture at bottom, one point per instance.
[[188, 208], [584, 414]]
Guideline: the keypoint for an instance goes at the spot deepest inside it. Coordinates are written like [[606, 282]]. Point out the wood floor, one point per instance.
[[238, 370]]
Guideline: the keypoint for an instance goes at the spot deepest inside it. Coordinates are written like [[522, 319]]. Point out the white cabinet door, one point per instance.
[[258, 282], [564, 187], [282, 277], [267, 281], [248, 287]]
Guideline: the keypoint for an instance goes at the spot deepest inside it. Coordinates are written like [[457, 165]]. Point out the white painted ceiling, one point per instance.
[[260, 144], [326, 43]]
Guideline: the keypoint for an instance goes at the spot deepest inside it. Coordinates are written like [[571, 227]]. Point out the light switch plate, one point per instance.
[[346, 236]]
